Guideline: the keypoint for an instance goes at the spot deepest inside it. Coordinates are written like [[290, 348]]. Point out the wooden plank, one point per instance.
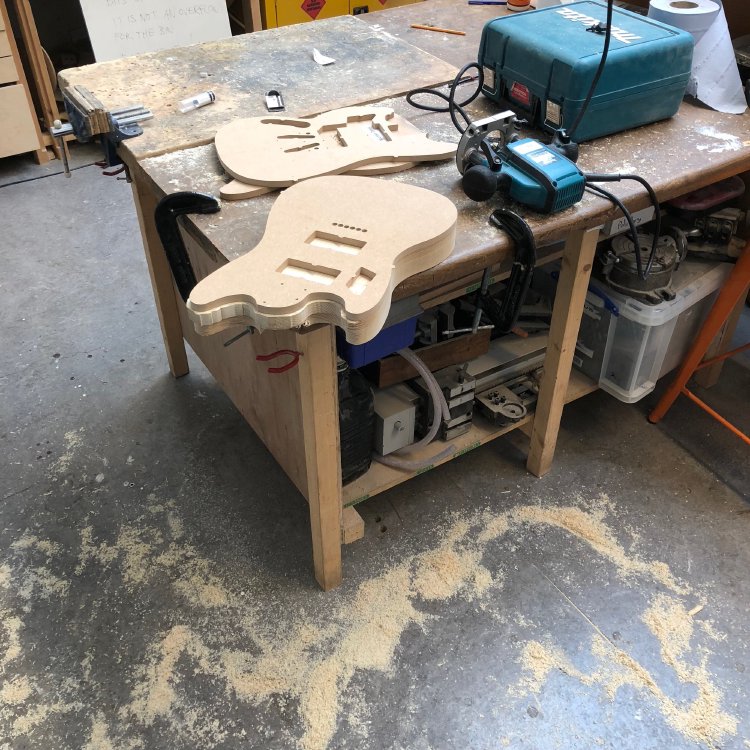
[[161, 276], [566, 318], [270, 403], [18, 124], [318, 386], [395, 369], [38, 66], [251, 12], [241, 69], [18, 129], [352, 526], [8, 72]]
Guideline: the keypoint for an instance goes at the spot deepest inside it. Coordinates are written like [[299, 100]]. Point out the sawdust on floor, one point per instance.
[[310, 664], [15, 691], [701, 719], [590, 528], [99, 738]]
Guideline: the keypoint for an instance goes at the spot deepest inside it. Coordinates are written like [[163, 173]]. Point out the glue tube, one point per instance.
[[440, 412], [199, 100]]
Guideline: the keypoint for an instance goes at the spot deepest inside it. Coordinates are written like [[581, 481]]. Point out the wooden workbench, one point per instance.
[[296, 414]]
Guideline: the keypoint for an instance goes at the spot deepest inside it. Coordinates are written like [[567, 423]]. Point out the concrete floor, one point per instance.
[[155, 568]]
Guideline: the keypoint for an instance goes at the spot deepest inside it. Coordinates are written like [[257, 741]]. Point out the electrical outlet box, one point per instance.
[[395, 417]]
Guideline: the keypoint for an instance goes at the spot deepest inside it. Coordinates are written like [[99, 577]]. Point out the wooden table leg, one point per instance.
[[566, 318], [161, 277], [320, 423]]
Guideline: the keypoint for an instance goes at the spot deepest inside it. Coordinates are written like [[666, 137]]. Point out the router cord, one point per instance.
[[453, 107], [589, 96], [594, 178]]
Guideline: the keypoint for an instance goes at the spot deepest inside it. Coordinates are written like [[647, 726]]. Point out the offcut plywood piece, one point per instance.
[[278, 151], [237, 190], [333, 250]]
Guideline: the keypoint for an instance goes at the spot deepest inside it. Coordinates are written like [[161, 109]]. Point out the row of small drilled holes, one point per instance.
[[346, 226]]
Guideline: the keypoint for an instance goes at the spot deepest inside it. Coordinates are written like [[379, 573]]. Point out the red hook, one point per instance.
[[288, 366], [113, 172]]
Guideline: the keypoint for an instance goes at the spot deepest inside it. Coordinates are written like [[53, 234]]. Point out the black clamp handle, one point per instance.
[[168, 210]]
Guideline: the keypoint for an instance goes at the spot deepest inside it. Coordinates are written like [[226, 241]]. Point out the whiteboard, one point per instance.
[[119, 28]]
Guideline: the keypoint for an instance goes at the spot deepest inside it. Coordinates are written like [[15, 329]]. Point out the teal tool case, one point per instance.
[[542, 64]]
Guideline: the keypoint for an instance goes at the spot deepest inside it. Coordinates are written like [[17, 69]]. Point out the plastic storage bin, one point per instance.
[[629, 352], [389, 340]]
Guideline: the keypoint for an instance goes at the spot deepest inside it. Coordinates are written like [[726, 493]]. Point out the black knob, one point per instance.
[[479, 183]]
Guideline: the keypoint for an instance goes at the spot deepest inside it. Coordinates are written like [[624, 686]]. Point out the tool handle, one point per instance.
[[167, 211]]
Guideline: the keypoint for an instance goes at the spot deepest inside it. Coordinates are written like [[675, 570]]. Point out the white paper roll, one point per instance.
[[715, 79], [695, 16]]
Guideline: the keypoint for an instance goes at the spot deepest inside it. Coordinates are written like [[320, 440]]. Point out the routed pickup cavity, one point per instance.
[[359, 283], [309, 272], [336, 243]]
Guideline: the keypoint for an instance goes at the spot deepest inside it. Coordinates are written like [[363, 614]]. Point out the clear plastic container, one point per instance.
[[647, 341]]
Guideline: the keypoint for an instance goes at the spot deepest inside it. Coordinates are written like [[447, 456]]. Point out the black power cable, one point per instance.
[[599, 70], [453, 106], [631, 224], [593, 178]]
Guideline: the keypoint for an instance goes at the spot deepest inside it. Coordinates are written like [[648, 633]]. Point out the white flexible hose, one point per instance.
[[440, 412]]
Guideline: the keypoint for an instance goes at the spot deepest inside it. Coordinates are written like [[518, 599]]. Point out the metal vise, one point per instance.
[[88, 119]]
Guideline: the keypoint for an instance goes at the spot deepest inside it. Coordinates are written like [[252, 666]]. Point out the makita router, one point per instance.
[[541, 63]]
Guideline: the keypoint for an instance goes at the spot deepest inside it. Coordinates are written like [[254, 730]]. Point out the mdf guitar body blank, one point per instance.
[[333, 251], [236, 190], [277, 152]]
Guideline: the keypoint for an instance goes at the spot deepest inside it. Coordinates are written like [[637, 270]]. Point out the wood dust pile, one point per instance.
[[306, 663]]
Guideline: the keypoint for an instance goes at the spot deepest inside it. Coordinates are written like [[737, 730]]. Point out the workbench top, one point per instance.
[[370, 64], [695, 148]]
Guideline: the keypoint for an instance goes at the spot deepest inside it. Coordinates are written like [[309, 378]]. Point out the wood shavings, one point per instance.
[[12, 626], [701, 720], [41, 582], [99, 738], [591, 529], [312, 664], [73, 441], [37, 715], [15, 691], [155, 695], [29, 541]]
